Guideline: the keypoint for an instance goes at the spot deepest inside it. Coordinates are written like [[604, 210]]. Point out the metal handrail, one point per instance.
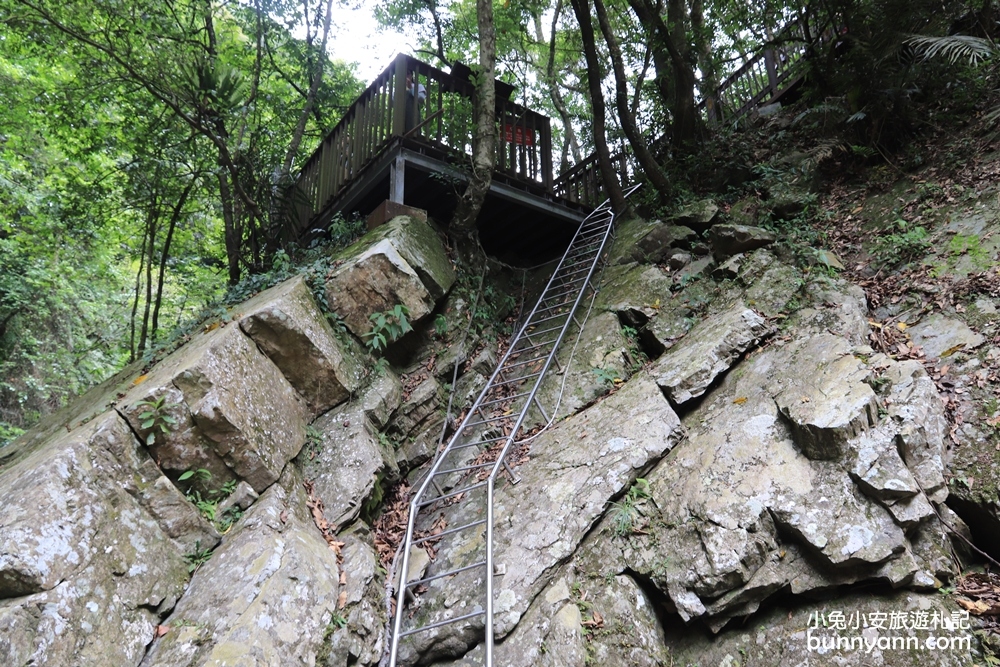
[[606, 215]]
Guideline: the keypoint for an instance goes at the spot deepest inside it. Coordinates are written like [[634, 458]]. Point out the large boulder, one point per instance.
[[265, 597], [91, 549], [729, 240], [400, 263], [539, 523], [231, 411], [708, 350], [287, 324]]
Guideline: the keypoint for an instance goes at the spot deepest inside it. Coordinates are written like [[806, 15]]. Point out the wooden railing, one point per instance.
[[759, 80], [413, 102]]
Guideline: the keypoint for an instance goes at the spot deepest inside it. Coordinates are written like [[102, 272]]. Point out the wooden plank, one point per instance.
[[399, 96]]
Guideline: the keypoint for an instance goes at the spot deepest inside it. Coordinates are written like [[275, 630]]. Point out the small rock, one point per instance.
[[243, 497], [654, 246], [986, 306], [940, 335], [729, 240], [699, 216], [769, 109], [729, 269], [678, 260], [829, 259]]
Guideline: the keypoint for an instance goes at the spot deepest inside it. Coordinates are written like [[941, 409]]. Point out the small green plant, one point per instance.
[[198, 557], [625, 515], [904, 244], [155, 417], [440, 324], [606, 376], [991, 405], [387, 327], [198, 474], [969, 244]]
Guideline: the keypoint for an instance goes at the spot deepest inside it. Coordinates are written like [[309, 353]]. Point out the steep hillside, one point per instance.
[[776, 427]]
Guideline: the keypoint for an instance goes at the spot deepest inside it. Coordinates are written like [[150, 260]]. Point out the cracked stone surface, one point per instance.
[[830, 405], [266, 595], [781, 636], [235, 413], [539, 523], [346, 460], [87, 558], [707, 351], [287, 324]]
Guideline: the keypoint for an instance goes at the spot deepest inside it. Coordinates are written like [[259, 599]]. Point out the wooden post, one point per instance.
[[399, 97], [397, 174], [772, 72]]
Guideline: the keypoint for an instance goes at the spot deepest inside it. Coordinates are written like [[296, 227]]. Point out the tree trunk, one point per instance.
[[231, 234], [706, 63], [670, 45], [571, 144], [175, 217], [594, 76], [314, 84], [463, 222], [653, 171], [684, 109]]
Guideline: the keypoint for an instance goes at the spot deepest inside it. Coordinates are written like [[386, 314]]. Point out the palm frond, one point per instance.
[[954, 47]]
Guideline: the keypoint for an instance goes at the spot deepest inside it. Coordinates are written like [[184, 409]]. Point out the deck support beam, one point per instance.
[[397, 178]]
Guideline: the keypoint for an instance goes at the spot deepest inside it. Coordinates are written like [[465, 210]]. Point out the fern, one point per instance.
[[954, 48]]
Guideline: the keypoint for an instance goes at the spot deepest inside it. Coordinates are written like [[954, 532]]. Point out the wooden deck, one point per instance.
[[408, 138]]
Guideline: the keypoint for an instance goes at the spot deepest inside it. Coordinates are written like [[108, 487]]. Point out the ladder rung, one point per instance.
[[487, 421], [547, 319], [508, 398], [448, 621], [507, 367], [448, 532], [463, 468], [517, 379], [536, 333], [449, 573], [450, 494], [477, 443], [587, 250]]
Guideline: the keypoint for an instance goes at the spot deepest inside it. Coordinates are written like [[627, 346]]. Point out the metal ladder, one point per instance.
[[463, 471]]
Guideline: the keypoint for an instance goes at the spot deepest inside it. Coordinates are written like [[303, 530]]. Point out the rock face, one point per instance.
[[347, 459], [797, 636], [401, 262], [289, 327], [90, 550], [798, 464], [264, 598], [832, 405], [708, 350], [234, 413], [563, 491]]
